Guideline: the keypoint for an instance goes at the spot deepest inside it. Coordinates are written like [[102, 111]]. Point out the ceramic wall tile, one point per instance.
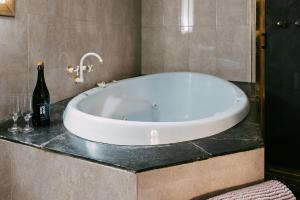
[[233, 12], [203, 50], [176, 49], [171, 12], [100, 182], [204, 13], [234, 53], [54, 8], [37, 174], [40, 175], [152, 13], [13, 45], [152, 50], [85, 10], [202, 177], [5, 171], [46, 40]]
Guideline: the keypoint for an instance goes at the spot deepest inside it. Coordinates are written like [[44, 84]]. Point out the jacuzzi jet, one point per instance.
[[238, 99], [155, 106]]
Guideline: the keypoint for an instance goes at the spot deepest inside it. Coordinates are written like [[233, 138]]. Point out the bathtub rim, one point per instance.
[[241, 102]]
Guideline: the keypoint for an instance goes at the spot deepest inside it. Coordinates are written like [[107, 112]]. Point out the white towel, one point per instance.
[[270, 190]]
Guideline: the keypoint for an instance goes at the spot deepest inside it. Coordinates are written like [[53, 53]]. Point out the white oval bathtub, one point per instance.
[[156, 109]]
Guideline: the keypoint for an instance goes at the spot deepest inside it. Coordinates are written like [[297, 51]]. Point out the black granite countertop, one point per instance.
[[244, 136]]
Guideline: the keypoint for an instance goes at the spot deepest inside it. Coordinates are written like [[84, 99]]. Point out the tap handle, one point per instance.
[[69, 69], [90, 68]]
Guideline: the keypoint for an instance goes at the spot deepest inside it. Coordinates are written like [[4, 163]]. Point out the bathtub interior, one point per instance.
[[164, 98]]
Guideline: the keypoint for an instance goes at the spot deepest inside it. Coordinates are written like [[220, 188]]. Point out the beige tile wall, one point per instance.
[[218, 40], [191, 180], [5, 172], [32, 174], [60, 32]]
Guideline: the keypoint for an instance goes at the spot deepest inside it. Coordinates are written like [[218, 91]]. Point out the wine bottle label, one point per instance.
[[44, 111]]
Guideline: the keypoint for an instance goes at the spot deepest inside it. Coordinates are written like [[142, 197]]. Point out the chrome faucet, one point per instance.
[[78, 78]]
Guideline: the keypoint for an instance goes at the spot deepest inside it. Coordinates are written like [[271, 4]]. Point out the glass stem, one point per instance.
[[15, 124], [27, 125]]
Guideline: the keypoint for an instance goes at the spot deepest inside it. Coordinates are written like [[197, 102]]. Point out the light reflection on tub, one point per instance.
[[156, 109]]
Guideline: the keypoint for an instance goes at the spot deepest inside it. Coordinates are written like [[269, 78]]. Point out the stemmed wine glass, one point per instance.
[[27, 112], [14, 110]]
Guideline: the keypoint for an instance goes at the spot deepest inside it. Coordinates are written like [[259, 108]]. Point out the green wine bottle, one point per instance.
[[41, 100]]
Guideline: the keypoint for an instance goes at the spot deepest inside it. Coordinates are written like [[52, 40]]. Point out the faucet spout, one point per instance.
[[80, 79]]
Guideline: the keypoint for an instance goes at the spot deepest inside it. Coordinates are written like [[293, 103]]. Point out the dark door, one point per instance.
[[282, 105]]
